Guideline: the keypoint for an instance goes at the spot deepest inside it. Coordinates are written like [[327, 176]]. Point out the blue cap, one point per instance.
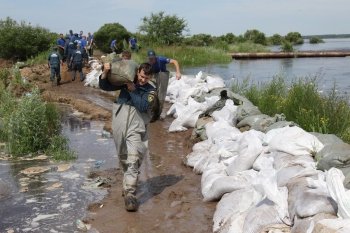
[[151, 53]]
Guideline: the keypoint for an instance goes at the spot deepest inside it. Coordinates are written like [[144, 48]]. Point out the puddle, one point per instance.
[[55, 198]]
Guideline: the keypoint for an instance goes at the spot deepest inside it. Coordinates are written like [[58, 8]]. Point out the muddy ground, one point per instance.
[[169, 193]]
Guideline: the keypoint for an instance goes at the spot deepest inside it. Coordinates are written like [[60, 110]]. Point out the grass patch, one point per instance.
[[188, 55], [39, 59], [29, 125], [301, 102], [59, 149]]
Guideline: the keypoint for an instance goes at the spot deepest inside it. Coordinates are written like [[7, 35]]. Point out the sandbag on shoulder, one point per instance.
[[332, 226]]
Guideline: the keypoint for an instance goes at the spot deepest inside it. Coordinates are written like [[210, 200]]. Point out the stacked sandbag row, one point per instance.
[[261, 169]]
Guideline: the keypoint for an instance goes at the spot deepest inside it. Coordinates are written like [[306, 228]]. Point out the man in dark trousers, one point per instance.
[[54, 63], [77, 62]]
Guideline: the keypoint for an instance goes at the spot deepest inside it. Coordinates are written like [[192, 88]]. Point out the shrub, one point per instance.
[[108, 32], [31, 125], [21, 40], [276, 39], [315, 40], [247, 47], [287, 46], [255, 36], [294, 38], [59, 149]]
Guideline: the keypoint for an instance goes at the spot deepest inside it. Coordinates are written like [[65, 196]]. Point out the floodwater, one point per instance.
[[54, 200], [329, 71]]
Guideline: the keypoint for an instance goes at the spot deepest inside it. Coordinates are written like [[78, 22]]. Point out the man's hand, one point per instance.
[[106, 69], [178, 76], [131, 86]]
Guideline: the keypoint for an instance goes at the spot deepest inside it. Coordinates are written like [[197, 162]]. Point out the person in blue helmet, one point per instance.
[[131, 117], [54, 63], [77, 61]]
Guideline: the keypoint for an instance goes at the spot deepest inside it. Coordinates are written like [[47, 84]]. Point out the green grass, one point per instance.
[[187, 55], [59, 150], [247, 47], [301, 102], [39, 59]]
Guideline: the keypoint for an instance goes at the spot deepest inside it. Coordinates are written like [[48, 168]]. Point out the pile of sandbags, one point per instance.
[[262, 170]]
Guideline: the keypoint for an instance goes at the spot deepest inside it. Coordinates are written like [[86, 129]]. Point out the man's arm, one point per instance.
[[177, 68]]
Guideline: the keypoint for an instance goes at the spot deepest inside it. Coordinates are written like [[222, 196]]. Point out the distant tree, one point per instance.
[[200, 40], [287, 46], [163, 29], [22, 40], [294, 38], [315, 40], [255, 36], [108, 32], [229, 38], [276, 39]]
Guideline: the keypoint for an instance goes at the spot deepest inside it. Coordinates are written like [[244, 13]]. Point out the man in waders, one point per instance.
[[129, 124], [161, 75], [77, 62], [54, 63]]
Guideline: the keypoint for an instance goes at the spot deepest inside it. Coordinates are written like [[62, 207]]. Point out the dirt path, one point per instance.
[[169, 193]]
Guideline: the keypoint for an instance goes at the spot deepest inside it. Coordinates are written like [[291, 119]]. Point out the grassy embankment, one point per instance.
[[302, 102], [29, 125], [188, 56]]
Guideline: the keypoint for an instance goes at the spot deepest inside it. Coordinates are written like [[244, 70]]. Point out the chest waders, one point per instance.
[[130, 137]]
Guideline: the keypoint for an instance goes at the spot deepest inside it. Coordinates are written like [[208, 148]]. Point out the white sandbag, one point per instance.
[[335, 179], [229, 214], [250, 146], [282, 160], [187, 117], [266, 184], [227, 113], [307, 224], [92, 79], [214, 82], [264, 161], [261, 217], [217, 184], [306, 200], [332, 226], [221, 131], [293, 140]]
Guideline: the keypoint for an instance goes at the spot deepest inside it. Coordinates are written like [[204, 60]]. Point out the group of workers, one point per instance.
[[131, 110]]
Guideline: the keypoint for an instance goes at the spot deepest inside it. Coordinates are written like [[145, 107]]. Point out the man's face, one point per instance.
[[61, 36], [152, 60], [142, 78]]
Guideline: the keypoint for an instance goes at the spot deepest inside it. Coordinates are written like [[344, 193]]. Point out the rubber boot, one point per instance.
[[130, 201]]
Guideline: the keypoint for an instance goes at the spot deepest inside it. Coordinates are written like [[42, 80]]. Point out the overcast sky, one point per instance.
[[214, 17]]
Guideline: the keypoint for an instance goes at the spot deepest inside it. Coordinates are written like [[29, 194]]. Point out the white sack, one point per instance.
[[340, 195], [250, 146], [214, 82], [292, 140], [227, 113]]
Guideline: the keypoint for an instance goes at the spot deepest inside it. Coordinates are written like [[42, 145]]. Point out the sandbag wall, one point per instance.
[[260, 169]]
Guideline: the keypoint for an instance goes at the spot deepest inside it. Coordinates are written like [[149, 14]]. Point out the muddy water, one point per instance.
[[54, 200]]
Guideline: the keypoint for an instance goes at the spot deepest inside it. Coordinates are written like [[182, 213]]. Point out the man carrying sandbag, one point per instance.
[[130, 119], [161, 75]]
